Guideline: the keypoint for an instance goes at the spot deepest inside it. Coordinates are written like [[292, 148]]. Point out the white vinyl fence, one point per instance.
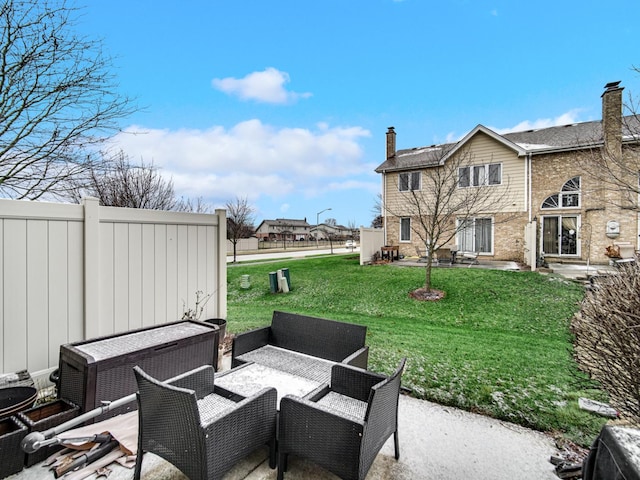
[[371, 239], [75, 272]]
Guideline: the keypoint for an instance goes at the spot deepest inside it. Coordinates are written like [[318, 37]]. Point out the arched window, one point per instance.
[[569, 197]]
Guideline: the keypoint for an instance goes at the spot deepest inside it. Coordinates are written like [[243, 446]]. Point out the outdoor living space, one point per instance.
[[430, 435]]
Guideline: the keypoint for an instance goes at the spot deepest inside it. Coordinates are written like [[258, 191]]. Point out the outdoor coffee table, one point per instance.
[[250, 378]]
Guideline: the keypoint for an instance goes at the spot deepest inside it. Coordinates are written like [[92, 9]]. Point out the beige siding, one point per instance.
[[508, 207]]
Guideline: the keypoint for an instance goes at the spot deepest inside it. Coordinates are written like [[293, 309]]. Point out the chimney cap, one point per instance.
[[391, 129], [612, 85]]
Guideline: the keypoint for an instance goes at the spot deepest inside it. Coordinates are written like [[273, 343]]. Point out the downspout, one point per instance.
[[529, 200], [382, 207]]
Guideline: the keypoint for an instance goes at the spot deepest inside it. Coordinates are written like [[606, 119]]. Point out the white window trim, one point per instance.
[[485, 183], [493, 234], [409, 183], [578, 253], [400, 232]]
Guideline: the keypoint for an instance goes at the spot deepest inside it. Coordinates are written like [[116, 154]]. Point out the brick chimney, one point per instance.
[[391, 143], [612, 119]]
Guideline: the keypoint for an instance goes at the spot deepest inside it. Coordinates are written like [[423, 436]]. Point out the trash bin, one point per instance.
[[222, 327], [273, 282]]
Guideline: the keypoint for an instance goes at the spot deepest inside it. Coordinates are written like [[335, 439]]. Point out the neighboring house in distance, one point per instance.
[[283, 229], [325, 231], [556, 209]]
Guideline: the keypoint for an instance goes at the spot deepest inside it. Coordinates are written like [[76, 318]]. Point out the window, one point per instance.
[[479, 175], [560, 235], [569, 197], [475, 235], [409, 181], [405, 229]]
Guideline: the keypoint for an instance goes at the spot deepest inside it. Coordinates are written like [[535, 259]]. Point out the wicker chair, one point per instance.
[[341, 427], [201, 429]]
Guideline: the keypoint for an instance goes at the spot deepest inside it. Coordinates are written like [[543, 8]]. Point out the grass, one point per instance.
[[497, 344]]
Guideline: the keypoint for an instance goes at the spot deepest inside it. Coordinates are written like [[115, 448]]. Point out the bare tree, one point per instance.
[[607, 337], [615, 165], [58, 99], [196, 206], [240, 219], [129, 185], [440, 208], [378, 219]]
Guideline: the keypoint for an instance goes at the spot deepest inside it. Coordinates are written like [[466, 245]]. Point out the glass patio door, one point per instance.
[[560, 235]]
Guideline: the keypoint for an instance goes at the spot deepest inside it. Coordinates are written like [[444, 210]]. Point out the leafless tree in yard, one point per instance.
[[607, 337], [240, 219], [615, 165], [378, 219], [58, 100], [441, 207], [125, 184]]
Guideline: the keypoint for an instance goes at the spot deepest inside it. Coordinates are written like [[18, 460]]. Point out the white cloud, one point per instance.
[[250, 159], [267, 86]]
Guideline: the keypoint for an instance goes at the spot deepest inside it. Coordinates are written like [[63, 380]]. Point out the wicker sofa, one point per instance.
[[321, 342]]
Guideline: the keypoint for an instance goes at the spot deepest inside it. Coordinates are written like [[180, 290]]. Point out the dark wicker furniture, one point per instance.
[[12, 431], [200, 428], [100, 370], [341, 427], [44, 417], [317, 337]]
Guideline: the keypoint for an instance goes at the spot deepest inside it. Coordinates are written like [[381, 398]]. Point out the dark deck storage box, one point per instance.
[[44, 417], [12, 431], [100, 370]]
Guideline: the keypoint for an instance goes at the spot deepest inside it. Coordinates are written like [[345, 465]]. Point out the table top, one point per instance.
[[251, 378]]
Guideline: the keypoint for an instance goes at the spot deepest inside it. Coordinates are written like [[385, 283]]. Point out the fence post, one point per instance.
[[91, 267], [221, 274]]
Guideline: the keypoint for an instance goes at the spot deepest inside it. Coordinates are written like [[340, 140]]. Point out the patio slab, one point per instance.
[[436, 442]]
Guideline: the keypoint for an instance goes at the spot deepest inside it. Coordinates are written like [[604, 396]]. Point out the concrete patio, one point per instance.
[[436, 442]]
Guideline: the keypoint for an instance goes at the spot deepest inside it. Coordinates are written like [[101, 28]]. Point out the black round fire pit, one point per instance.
[[16, 399]]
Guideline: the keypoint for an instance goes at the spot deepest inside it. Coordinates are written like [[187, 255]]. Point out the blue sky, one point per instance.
[[286, 102]]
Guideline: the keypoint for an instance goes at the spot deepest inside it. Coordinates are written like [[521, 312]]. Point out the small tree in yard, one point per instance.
[[607, 337], [239, 221], [442, 200]]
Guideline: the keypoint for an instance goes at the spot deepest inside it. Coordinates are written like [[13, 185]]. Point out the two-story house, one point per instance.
[[550, 199], [283, 229]]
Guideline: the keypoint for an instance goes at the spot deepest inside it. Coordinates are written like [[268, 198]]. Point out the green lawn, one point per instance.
[[497, 344]]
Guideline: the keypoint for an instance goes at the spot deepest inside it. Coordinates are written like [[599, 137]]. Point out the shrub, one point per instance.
[[607, 337]]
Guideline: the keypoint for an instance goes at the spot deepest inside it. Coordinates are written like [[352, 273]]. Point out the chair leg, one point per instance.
[[397, 444], [282, 465], [272, 453], [138, 470]]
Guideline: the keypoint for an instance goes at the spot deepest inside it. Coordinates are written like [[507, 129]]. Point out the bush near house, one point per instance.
[[607, 337], [499, 342]]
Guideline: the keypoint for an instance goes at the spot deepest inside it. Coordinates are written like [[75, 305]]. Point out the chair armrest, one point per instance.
[[251, 340], [359, 358], [354, 382], [200, 380], [252, 421], [318, 393], [305, 426]]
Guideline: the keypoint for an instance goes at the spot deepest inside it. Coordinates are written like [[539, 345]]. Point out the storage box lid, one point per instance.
[[135, 341]]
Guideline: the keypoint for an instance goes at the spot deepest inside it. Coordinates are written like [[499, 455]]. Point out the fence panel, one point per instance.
[[73, 272]]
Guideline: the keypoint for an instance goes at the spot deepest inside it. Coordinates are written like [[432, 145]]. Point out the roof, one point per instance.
[[285, 223], [544, 140]]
